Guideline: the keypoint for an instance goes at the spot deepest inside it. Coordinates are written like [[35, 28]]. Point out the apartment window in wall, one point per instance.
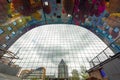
[[14, 23], [1, 31], [116, 29], [7, 37], [9, 28], [4, 45], [13, 33]]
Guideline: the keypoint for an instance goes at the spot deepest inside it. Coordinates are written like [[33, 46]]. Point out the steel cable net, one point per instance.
[[56, 51]]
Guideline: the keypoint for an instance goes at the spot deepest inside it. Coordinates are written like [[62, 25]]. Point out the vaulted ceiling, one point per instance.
[[102, 17]]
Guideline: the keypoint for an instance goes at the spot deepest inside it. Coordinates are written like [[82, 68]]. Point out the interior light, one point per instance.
[[46, 3], [20, 20], [69, 15]]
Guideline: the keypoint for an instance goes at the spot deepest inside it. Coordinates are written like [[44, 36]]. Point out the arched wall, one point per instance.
[[28, 27]]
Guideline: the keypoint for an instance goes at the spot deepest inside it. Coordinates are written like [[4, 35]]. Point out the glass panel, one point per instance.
[[14, 23], [9, 28], [1, 31], [58, 48], [7, 37]]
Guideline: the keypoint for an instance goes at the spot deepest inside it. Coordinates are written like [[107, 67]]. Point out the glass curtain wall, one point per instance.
[[46, 46]]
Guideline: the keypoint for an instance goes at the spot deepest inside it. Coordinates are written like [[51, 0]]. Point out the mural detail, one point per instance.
[[4, 10], [26, 7], [99, 16]]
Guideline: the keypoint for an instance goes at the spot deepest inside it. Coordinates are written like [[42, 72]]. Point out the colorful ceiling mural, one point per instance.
[[102, 17]]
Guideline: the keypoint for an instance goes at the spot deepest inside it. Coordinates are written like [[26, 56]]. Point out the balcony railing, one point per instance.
[[103, 55]]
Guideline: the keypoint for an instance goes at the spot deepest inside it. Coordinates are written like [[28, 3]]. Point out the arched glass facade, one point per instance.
[[45, 46]]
